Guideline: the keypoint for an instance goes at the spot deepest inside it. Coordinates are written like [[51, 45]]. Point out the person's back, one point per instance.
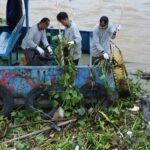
[[33, 38]]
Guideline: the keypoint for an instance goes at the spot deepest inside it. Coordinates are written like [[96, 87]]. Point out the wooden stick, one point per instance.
[[41, 121], [28, 124], [60, 124]]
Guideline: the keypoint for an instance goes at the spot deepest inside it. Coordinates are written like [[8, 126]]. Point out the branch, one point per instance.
[[60, 124]]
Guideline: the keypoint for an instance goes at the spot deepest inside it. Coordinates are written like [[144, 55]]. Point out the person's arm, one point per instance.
[[113, 32], [44, 40], [46, 44], [77, 35], [30, 41], [96, 41]]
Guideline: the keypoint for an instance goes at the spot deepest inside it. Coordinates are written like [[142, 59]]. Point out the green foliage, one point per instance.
[[3, 147], [21, 145], [96, 129], [40, 139], [135, 87], [104, 74], [69, 96], [19, 117], [3, 123]]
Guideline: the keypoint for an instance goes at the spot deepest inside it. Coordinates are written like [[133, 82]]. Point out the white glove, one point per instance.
[[118, 28], [40, 50], [50, 50], [106, 56], [60, 37], [71, 43]]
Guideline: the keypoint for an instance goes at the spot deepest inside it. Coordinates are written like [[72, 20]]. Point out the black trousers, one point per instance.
[[76, 62]]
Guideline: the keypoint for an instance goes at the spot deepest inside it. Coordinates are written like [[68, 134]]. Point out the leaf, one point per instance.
[[55, 104], [81, 111], [56, 96], [13, 114], [105, 116], [40, 138], [82, 123], [67, 114], [55, 38], [68, 97], [21, 145]]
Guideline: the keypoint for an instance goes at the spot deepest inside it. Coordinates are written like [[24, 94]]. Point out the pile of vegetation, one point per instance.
[[95, 128]]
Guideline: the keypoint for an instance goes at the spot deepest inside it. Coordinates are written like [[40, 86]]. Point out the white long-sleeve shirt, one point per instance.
[[33, 38], [101, 40], [72, 33]]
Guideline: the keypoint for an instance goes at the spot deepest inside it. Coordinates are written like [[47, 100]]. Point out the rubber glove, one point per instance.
[[106, 56], [71, 43], [40, 50], [60, 37], [50, 50]]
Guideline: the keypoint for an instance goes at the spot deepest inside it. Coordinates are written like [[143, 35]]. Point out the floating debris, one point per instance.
[[135, 109]]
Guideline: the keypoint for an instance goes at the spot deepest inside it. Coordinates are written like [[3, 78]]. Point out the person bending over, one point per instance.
[[102, 35], [32, 40]]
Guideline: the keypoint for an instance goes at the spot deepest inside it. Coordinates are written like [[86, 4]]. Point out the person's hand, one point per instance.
[[60, 37], [106, 56], [118, 28], [50, 50], [41, 51], [71, 43]]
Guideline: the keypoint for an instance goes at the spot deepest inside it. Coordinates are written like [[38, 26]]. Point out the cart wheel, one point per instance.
[[38, 101], [6, 101], [120, 74], [95, 94]]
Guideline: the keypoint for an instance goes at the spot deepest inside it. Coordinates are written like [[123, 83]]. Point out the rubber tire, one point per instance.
[[29, 103], [98, 92], [120, 74], [29, 100], [8, 101]]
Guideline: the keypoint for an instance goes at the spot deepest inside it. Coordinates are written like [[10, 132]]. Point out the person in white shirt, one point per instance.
[[33, 38], [102, 35], [72, 34]]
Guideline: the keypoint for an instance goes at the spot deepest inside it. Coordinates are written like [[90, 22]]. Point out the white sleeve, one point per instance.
[[44, 40], [30, 41], [96, 41], [77, 35]]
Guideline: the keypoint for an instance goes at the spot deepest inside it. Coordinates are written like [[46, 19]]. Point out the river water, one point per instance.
[[132, 15]]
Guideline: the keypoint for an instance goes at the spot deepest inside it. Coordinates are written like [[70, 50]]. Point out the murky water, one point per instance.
[[133, 15]]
